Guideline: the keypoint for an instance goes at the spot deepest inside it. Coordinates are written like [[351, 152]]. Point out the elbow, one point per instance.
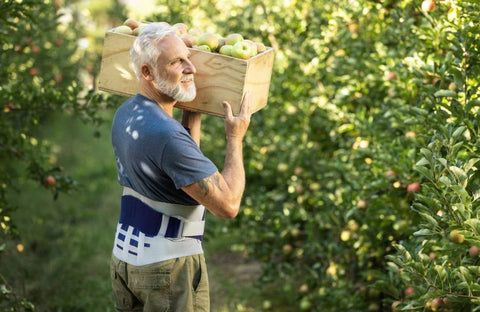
[[229, 211]]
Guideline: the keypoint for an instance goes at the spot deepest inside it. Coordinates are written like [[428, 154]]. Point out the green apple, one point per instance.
[[242, 50], [226, 50], [202, 47], [209, 39], [456, 236], [231, 39], [189, 40], [123, 29]]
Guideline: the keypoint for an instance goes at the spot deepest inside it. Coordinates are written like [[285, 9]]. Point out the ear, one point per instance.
[[147, 72]]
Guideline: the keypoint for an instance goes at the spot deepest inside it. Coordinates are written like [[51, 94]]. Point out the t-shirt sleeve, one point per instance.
[[184, 162]]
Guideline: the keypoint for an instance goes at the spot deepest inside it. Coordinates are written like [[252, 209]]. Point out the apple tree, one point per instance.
[[440, 260], [338, 174], [43, 71]]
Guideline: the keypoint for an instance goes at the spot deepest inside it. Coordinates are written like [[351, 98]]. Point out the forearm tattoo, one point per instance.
[[207, 183]]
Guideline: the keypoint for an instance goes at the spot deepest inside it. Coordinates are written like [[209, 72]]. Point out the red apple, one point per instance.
[[137, 31], [132, 23], [473, 251], [390, 174], [189, 40], [390, 76], [428, 5], [260, 47], [413, 187], [180, 28], [252, 45], [436, 304], [34, 71], [409, 291], [50, 181]]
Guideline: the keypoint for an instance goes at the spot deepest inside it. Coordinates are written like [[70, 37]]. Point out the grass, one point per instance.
[[67, 242]]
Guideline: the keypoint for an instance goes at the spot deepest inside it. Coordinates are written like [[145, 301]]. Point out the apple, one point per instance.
[[436, 304], [413, 187], [49, 181], [226, 50], [362, 204], [123, 29], [390, 174], [456, 236], [390, 76], [410, 134], [132, 23], [137, 31], [195, 31], [428, 5], [231, 39], [209, 39], [395, 305], [202, 47], [34, 71], [189, 40], [252, 45], [260, 47], [409, 291], [242, 50], [180, 28], [221, 43], [36, 49], [473, 251]]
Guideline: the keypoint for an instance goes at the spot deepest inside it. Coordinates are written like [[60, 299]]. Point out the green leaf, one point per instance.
[[445, 93], [422, 162], [445, 180], [474, 224], [423, 232], [458, 132], [459, 174], [427, 173]]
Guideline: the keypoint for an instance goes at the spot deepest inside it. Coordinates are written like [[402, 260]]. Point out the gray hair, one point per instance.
[[144, 49]]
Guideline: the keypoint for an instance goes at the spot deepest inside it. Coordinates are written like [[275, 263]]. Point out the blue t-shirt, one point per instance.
[[155, 154]]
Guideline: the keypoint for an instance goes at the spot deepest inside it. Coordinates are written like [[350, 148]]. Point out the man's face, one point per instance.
[[174, 73]]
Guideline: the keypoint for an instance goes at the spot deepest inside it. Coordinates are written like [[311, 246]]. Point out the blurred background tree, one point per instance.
[[358, 170]]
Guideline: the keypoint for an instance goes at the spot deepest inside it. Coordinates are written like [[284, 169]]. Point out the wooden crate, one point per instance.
[[219, 77]]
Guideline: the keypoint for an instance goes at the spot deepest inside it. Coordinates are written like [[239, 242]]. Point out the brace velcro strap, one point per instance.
[[151, 222]]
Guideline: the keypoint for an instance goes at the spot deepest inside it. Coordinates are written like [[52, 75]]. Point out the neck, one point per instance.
[[164, 101]]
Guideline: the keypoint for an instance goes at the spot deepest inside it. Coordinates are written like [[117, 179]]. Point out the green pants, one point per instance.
[[176, 285]]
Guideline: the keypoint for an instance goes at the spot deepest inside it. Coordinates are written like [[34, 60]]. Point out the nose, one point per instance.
[[190, 68]]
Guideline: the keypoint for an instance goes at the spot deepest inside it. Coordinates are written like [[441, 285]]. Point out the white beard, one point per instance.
[[175, 91]]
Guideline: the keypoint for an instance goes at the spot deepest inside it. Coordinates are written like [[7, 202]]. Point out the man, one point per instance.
[[157, 261]]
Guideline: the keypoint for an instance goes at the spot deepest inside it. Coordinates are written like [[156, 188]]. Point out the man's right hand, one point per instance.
[[236, 126]]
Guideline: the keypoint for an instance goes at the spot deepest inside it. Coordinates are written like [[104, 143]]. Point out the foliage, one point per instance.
[[367, 98], [41, 63]]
